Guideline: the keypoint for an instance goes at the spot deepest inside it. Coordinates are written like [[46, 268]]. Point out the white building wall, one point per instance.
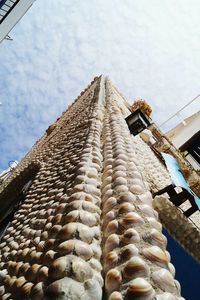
[[186, 132], [192, 161]]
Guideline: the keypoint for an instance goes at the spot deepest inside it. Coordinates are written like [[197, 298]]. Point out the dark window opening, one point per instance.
[[192, 146], [194, 150], [5, 222], [15, 193]]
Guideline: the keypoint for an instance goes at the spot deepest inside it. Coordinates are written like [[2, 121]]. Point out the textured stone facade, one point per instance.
[[86, 229], [178, 225], [163, 144]]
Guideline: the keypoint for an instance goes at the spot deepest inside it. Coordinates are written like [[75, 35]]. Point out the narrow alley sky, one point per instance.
[[150, 50]]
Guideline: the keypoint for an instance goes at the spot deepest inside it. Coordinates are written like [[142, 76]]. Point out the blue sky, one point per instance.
[[150, 49]]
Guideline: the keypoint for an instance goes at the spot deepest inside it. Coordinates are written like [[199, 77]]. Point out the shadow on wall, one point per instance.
[[187, 269]]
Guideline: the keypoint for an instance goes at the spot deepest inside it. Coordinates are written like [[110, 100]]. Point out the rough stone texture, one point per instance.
[[89, 209], [195, 217], [154, 171], [65, 191], [184, 231]]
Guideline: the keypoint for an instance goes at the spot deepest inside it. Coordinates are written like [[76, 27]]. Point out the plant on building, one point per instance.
[[142, 105], [198, 172]]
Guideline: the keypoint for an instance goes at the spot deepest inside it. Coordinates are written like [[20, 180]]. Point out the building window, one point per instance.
[[192, 148], [14, 193], [8, 217]]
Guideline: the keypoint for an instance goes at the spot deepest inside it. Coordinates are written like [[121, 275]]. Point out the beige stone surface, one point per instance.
[[180, 227], [86, 229]]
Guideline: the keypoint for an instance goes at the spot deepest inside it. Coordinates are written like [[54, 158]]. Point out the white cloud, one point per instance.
[[150, 49]]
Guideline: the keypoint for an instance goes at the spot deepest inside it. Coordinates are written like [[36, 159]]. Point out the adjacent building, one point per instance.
[[186, 137], [11, 11]]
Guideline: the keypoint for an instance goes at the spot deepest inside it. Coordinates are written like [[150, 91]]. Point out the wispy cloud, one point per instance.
[[150, 49]]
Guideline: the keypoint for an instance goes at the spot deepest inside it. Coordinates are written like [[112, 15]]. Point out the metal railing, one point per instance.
[[6, 6], [186, 111]]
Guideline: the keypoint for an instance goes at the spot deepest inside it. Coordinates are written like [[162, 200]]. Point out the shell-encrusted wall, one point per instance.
[[87, 229], [153, 170], [136, 264], [180, 227], [56, 232], [8, 195]]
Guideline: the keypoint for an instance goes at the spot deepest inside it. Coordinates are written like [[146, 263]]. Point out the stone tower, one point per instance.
[[79, 204]]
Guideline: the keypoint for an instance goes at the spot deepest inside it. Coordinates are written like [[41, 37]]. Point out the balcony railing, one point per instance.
[[6, 6]]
